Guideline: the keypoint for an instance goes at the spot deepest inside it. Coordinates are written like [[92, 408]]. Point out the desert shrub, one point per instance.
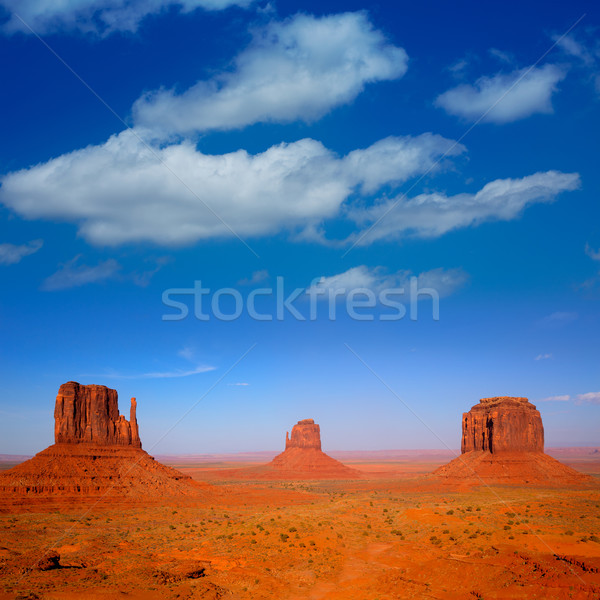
[[506, 527], [284, 537], [450, 512]]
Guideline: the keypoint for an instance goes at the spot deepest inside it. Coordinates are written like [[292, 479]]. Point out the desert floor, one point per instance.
[[390, 535]]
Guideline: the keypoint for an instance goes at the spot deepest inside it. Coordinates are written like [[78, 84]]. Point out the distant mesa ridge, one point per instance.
[[503, 442]]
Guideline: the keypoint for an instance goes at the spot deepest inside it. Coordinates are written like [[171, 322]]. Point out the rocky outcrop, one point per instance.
[[305, 434], [90, 413], [502, 424]]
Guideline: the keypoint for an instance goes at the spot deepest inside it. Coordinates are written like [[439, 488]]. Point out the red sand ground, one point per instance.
[[382, 537]]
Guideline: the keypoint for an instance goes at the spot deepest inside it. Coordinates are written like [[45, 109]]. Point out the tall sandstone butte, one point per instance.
[[503, 424], [97, 452], [503, 442], [90, 413], [305, 434]]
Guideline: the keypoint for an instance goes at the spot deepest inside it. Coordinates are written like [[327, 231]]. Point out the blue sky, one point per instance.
[[331, 146]]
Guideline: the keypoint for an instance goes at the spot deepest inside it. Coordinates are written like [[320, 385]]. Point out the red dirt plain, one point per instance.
[[391, 535]]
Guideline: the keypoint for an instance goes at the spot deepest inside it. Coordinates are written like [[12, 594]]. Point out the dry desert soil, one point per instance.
[[390, 535]]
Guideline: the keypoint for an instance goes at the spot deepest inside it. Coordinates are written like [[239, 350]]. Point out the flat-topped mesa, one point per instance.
[[305, 434], [502, 424], [90, 414]]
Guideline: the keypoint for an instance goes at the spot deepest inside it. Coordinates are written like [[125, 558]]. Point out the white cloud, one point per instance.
[[257, 277], [11, 254], [120, 192], [186, 352], [241, 383], [589, 398], [297, 69], [564, 398], [96, 16], [593, 254], [543, 356], [164, 374], [445, 281], [71, 274], [507, 97], [587, 53], [432, 215]]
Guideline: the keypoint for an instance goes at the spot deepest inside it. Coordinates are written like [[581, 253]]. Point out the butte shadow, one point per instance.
[[301, 459], [97, 453], [503, 443]]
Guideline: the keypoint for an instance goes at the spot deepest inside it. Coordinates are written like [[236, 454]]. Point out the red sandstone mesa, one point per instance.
[[97, 452], [503, 442], [503, 424]]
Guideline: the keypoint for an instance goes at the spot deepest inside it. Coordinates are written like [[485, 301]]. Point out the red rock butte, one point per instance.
[[301, 459], [304, 459], [97, 452], [503, 442]]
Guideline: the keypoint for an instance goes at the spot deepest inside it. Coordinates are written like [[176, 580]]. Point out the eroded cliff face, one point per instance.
[[502, 424], [90, 413], [305, 434]]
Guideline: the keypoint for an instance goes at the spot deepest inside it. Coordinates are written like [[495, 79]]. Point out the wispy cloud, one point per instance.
[[593, 254], [588, 398], [564, 398], [543, 356], [445, 281], [558, 318], [163, 374], [503, 97], [257, 277], [432, 215], [186, 352], [143, 278], [11, 254], [71, 274], [240, 383], [97, 16]]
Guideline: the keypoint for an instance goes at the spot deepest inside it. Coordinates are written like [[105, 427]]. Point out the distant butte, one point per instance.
[[503, 442], [301, 459], [97, 452]]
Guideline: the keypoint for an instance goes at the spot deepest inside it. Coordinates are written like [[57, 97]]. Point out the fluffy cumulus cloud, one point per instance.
[[297, 69], [72, 274], [504, 97], [95, 16], [376, 279], [432, 215], [11, 254], [124, 191]]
